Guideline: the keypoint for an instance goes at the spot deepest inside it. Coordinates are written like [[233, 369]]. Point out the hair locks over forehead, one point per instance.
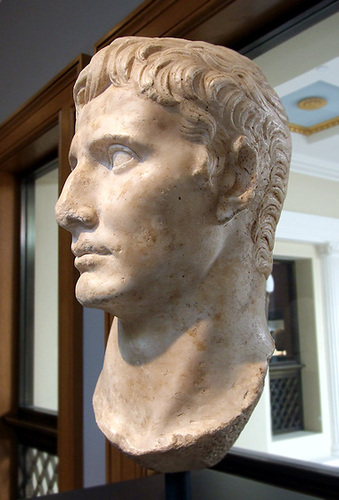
[[220, 95]]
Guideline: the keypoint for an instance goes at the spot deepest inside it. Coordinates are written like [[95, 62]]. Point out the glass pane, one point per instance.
[[297, 416], [39, 318]]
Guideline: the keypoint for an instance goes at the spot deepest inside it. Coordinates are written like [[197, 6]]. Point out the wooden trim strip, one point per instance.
[[39, 114], [70, 414], [9, 250], [35, 429], [234, 23]]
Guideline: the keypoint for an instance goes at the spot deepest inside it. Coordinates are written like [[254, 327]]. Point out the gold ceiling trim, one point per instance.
[[319, 127]]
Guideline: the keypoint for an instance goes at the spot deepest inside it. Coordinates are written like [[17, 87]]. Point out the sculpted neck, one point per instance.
[[188, 371], [194, 320]]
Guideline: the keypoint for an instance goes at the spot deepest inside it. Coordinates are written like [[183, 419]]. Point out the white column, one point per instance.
[[330, 265]]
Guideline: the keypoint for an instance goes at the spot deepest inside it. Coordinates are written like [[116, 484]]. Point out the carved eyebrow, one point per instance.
[[140, 150], [103, 142]]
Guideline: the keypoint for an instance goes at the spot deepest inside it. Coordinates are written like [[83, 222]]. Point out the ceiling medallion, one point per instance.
[[311, 103]]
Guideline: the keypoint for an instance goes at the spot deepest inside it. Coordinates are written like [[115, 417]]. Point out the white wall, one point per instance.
[[312, 195], [299, 55]]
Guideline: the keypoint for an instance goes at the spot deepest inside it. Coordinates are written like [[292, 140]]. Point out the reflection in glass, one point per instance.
[[37, 472], [39, 290], [285, 369], [305, 325], [282, 314]]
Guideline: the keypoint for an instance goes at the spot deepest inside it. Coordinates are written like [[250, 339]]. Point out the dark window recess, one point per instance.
[[285, 366]]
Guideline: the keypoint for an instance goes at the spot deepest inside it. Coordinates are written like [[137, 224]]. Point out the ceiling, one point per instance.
[[314, 106], [307, 66]]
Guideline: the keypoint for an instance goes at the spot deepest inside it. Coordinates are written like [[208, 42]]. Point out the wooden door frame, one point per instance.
[[250, 27], [39, 131]]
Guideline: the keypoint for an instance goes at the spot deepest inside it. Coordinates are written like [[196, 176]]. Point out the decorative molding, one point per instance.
[[306, 228], [311, 103], [318, 168], [330, 274], [330, 249], [319, 127]]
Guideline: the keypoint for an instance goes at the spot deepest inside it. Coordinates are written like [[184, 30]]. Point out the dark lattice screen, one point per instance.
[[286, 401], [38, 472]]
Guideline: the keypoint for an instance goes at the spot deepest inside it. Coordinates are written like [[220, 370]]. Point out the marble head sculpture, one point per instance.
[[179, 171]]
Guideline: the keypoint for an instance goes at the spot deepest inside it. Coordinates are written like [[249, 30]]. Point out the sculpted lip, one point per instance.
[[87, 256], [87, 260], [80, 251]]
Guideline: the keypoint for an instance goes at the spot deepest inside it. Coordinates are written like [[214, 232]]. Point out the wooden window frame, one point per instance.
[[38, 132], [250, 28]]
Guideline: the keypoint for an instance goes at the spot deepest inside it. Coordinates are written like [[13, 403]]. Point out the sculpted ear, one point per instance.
[[237, 181]]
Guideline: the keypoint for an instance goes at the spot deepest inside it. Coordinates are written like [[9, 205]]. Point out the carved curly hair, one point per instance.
[[220, 95]]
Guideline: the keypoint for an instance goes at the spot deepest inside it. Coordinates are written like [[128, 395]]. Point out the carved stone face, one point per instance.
[[138, 204], [177, 255]]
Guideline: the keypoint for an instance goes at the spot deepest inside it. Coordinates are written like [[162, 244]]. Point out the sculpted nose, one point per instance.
[[75, 206]]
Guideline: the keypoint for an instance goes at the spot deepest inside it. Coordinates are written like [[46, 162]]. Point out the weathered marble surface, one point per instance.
[[180, 163]]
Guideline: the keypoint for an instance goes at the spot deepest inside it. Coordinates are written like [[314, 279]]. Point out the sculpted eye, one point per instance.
[[121, 157]]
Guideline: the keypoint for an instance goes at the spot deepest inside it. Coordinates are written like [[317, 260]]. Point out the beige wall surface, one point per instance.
[[312, 195]]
